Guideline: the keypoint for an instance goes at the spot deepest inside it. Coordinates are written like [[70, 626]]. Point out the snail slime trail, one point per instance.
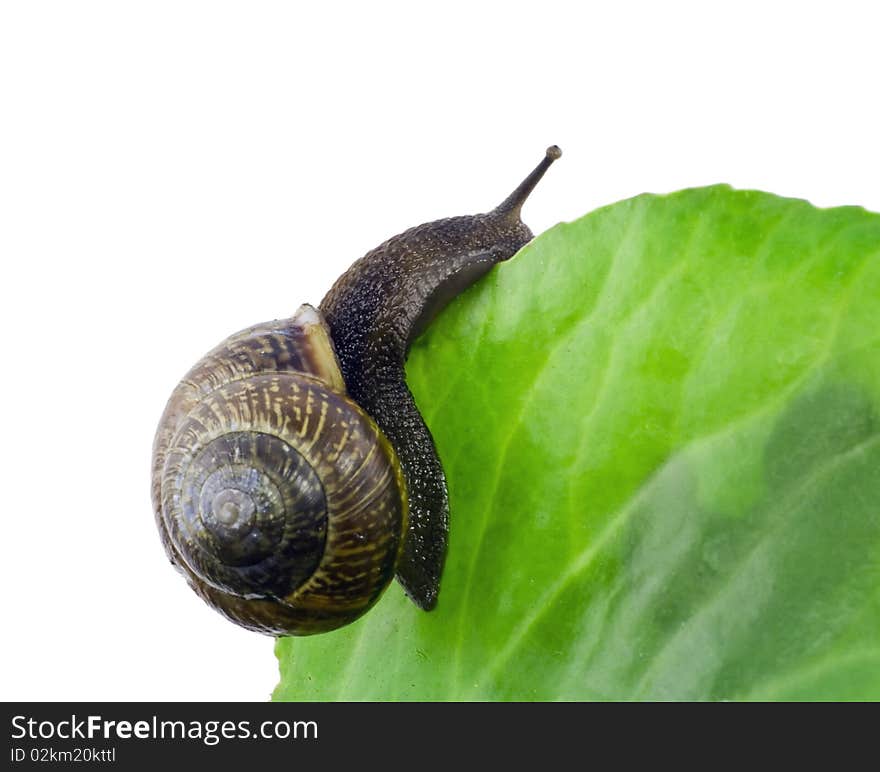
[[292, 474]]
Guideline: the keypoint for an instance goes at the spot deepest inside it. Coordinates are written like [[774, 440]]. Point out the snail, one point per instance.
[[293, 476]]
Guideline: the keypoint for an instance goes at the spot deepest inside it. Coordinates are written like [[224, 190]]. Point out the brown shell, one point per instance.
[[273, 393]]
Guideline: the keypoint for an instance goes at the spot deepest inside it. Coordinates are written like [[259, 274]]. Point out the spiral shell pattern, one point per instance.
[[275, 494]]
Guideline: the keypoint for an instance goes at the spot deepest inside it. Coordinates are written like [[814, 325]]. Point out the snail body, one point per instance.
[[293, 475]]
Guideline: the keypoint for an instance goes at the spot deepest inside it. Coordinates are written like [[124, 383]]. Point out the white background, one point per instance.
[[171, 172]]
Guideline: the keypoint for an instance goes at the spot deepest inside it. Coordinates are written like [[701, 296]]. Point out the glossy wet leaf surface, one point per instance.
[[661, 430]]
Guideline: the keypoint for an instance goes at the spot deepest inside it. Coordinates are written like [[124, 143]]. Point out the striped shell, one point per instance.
[[275, 495]]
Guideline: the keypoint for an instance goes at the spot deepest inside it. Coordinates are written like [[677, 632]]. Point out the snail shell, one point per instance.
[[279, 498]]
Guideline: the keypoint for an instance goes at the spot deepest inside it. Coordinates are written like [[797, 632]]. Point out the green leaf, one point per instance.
[[661, 429]]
